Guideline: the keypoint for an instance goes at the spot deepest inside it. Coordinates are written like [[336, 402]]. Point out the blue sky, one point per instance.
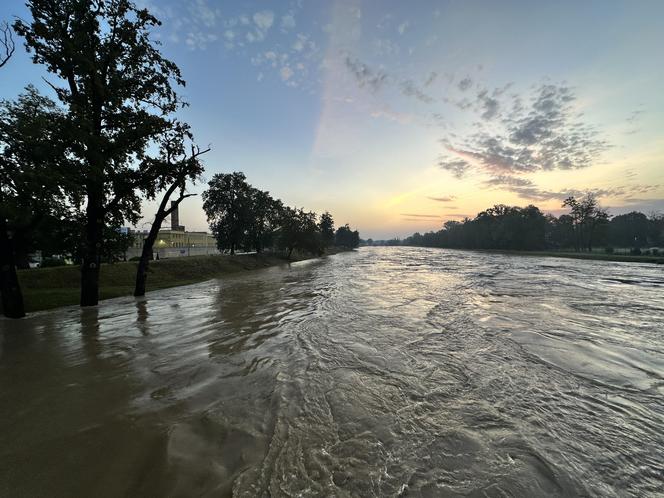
[[397, 116]]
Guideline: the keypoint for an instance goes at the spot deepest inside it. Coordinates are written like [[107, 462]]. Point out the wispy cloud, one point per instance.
[[430, 216], [364, 75], [458, 167], [544, 135]]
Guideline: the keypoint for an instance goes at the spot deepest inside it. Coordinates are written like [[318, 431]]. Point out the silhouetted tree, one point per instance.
[[299, 230], [263, 219], [326, 226], [168, 173], [345, 237], [227, 204], [630, 230], [35, 200], [117, 94], [587, 218]]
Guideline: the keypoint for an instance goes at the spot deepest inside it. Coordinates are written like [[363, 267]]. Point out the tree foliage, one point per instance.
[[241, 216], [586, 226], [345, 237], [117, 92]]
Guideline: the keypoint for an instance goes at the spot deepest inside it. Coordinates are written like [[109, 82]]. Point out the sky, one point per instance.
[[398, 116]]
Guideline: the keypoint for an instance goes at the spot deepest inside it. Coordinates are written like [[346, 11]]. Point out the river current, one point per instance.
[[379, 372]]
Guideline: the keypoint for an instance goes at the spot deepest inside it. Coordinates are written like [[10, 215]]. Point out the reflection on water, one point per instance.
[[384, 372]]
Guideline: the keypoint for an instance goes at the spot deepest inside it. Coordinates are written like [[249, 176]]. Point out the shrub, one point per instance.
[[135, 258], [655, 252], [635, 251], [646, 252], [608, 250]]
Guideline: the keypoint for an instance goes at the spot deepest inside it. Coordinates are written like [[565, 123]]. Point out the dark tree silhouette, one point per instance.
[[326, 226], [32, 200], [171, 172], [117, 92], [587, 217], [263, 219], [299, 230], [630, 230], [345, 237], [227, 204]]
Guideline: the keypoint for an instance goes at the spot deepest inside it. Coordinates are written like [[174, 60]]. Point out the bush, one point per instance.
[[52, 262], [655, 252], [135, 258], [608, 250], [646, 252], [635, 251]]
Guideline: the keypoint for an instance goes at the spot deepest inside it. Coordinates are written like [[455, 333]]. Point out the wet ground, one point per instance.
[[382, 372]]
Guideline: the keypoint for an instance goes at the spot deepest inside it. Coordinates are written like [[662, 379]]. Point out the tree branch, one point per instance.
[[7, 43]]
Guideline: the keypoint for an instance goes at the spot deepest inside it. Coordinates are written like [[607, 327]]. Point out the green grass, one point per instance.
[[587, 255], [47, 288]]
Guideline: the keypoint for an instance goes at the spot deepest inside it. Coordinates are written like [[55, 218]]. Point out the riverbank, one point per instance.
[[597, 256], [47, 288]]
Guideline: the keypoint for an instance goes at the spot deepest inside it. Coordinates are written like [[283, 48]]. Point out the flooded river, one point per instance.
[[382, 372]]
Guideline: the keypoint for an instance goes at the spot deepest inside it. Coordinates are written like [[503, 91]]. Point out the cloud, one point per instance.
[[526, 189], [409, 89], [431, 78], [264, 19], [403, 27], [287, 22], [457, 167], [286, 73], [300, 43], [635, 116], [543, 135], [448, 198], [465, 84], [364, 75], [429, 216], [488, 104]]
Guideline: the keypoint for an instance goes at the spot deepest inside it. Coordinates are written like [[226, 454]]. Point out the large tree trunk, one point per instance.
[[92, 253], [146, 256], [12, 298]]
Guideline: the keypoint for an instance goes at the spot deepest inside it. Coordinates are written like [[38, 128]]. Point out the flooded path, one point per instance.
[[383, 372]]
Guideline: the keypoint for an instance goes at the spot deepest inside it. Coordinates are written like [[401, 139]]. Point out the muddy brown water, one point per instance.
[[382, 372]]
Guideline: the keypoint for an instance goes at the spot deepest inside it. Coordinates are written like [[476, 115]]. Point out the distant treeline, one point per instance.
[[528, 229], [244, 217]]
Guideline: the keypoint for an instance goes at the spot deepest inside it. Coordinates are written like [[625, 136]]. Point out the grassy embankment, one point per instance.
[[47, 288], [599, 256]]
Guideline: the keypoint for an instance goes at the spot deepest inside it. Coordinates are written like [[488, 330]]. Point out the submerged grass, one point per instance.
[[47, 288]]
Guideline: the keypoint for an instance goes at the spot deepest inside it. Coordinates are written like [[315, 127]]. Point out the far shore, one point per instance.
[[47, 288], [597, 256]]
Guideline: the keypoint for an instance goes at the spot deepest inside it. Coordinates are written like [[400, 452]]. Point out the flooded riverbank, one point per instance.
[[380, 372]]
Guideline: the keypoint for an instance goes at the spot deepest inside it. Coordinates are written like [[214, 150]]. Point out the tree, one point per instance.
[[630, 230], [7, 45], [117, 92], [299, 230], [33, 203], [587, 217], [326, 226], [345, 237], [227, 204], [264, 214], [171, 172]]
